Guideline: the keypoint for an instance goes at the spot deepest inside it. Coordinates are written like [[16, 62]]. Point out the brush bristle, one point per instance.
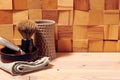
[[26, 28]]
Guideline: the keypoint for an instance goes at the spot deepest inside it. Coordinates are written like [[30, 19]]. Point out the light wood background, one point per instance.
[[81, 25]]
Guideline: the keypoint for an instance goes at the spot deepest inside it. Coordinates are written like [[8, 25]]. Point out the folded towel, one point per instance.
[[20, 67]]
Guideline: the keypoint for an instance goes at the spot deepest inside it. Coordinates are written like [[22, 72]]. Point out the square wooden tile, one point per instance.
[[81, 17], [19, 16], [65, 17], [110, 46], [97, 4], [6, 31], [67, 47], [65, 32], [6, 17], [34, 4], [111, 4], [80, 45], [111, 32], [80, 32], [5, 4], [35, 14], [49, 4], [65, 4], [95, 45], [111, 17], [20, 4], [50, 14], [82, 5], [96, 17], [96, 32]]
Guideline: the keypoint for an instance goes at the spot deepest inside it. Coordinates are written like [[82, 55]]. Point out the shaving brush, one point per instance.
[[27, 29]]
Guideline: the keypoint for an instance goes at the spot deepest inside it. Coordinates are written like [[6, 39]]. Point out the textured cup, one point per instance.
[[44, 38]]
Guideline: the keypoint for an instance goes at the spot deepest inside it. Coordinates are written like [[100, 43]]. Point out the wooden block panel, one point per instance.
[[111, 17], [65, 17], [96, 46], [49, 4], [95, 32], [80, 32], [97, 4], [6, 31], [96, 17], [111, 4], [35, 14], [50, 14], [20, 4], [6, 17], [81, 17], [67, 45], [5, 4], [82, 5], [34, 4], [65, 4], [80, 45], [19, 16], [65, 32], [110, 46], [111, 32]]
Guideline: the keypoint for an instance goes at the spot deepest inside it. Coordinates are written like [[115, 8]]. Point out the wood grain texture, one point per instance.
[[80, 45], [65, 4], [50, 14], [6, 29], [20, 16], [111, 17], [110, 46], [49, 4], [81, 17], [111, 4], [76, 66], [80, 32], [111, 32], [4, 3], [65, 32], [34, 4], [96, 17], [6, 17], [95, 46], [67, 47], [82, 5], [95, 32], [65, 17], [20, 4], [97, 4], [35, 14]]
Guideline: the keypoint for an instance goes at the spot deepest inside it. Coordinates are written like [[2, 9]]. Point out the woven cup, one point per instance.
[[44, 38]]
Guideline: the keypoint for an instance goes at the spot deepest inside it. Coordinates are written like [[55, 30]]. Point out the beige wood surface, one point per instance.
[[76, 66]]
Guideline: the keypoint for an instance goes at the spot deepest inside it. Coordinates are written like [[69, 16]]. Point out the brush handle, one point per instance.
[[27, 45], [10, 45]]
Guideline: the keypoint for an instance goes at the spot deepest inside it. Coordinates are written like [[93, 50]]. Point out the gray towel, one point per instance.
[[20, 67]]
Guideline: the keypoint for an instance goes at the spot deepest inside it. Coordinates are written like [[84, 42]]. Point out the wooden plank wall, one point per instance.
[[81, 25]]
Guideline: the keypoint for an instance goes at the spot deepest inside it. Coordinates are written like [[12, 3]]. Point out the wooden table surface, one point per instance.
[[76, 66]]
